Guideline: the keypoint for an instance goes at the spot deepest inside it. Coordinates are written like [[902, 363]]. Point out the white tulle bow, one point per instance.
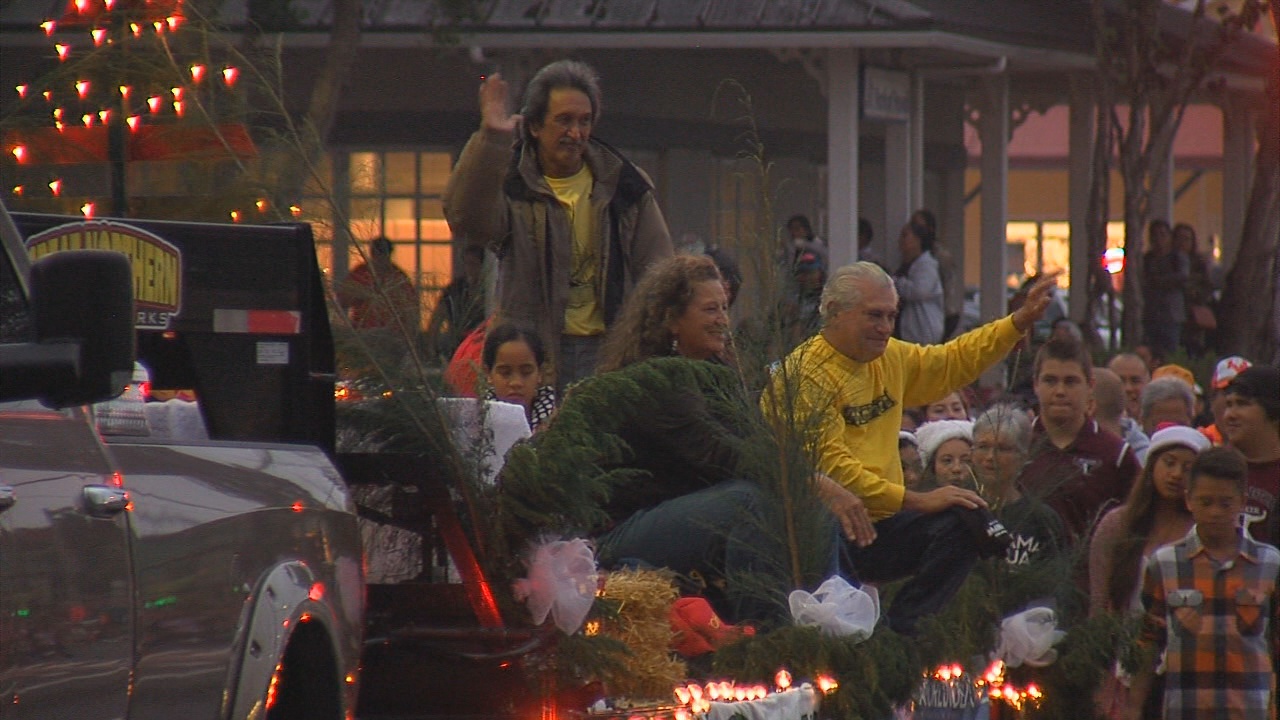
[[1028, 638], [562, 582], [837, 608]]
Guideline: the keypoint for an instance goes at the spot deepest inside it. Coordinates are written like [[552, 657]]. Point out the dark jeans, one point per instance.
[[709, 535], [577, 360], [936, 551]]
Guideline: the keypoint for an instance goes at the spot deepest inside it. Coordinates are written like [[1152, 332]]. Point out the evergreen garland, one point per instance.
[[1085, 656], [874, 676], [884, 671]]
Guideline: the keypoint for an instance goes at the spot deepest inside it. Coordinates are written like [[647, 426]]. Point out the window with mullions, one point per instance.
[[396, 194]]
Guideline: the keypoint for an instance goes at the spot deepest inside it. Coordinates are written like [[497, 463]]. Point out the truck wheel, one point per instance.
[[308, 687]]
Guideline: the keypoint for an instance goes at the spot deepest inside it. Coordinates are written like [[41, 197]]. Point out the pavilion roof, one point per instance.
[[1061, 26]]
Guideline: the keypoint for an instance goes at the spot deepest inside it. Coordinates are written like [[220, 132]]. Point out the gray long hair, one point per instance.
[[559, 74], [1007, 420], [1167, 388]]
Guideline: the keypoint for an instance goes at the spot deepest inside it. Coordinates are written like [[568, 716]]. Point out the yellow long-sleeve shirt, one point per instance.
[[852, 411]]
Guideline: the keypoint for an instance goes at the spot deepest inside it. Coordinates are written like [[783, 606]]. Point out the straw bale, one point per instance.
[[644, 600]]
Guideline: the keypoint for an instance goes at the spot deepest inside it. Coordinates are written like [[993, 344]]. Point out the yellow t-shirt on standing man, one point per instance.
[[585, 313]]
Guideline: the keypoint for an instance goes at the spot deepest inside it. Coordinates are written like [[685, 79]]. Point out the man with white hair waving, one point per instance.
[[846, 388]]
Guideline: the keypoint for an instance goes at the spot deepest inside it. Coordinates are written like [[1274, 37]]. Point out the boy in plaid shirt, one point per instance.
[[1210, 600]]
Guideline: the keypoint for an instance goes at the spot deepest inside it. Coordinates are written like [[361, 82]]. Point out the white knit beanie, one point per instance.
[[932, 434], [1176, 436]]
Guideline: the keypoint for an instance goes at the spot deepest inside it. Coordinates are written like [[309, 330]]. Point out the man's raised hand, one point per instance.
[[1037, 302], [495, 113]]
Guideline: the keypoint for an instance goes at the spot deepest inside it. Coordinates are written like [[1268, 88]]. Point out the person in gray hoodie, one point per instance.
[[919, 285]]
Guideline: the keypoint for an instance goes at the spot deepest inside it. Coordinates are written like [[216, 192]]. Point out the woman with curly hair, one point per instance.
[[679, 308], [685, 495], [689, 509], [1153, 515]]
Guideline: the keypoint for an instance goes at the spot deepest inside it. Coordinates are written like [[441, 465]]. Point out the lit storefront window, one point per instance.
[[396, 194], [1037, 247]]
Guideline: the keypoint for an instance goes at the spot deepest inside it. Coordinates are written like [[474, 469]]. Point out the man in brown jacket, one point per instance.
[[573, 222]]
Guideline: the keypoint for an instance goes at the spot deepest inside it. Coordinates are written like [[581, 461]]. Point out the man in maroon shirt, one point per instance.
[[1251, 424], [1077, 468]]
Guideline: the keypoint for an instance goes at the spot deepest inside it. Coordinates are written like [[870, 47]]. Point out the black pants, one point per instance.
[[936, 551]]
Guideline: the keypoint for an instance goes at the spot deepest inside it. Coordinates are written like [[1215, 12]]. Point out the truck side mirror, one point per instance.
[[84, 298]]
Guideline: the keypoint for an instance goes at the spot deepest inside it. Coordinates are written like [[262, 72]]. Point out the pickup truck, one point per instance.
[[155, 576]]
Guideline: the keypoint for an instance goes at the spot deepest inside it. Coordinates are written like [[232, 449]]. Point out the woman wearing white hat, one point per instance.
[[946, 447], [1153, 515]]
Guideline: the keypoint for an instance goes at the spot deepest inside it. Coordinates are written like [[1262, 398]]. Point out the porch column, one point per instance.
[[904, 172], [993, 132], [900, 170], [1079, 178], [1237, 173], [842, 154], [917, 141]]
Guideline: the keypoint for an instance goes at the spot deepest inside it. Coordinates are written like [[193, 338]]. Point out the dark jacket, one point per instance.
[[1164, 279], [689, 436]]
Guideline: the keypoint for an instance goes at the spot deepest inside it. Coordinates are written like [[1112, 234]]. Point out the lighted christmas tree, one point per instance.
[[132, 113]]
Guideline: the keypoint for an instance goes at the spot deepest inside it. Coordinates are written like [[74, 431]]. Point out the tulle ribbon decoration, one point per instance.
[[837, 608], [1028, 638], [562, 582]]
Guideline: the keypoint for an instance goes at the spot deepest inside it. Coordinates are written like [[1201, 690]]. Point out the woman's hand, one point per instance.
[[849, 510]]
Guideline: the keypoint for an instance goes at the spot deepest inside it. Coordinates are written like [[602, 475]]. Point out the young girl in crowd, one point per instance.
[[946, 447], [1154, 514], [951, 407], [513, 359]]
